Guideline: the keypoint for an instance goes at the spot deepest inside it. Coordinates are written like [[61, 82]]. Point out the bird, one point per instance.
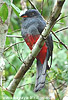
[[32, 26]]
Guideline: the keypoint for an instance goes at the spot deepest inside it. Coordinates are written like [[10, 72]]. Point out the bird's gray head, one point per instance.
[[31, 13]]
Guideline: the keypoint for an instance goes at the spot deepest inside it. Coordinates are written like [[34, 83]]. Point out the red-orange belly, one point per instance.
[[31, 40]]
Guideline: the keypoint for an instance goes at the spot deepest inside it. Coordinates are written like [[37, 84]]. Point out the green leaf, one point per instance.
[[8, 2], [1, 94], [4, 12], [7, 93], [16, 9]]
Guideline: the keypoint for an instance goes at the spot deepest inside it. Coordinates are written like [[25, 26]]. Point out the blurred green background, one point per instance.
[[58, 74]]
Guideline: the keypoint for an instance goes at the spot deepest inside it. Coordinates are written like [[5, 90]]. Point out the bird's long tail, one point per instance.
[[41, 75]]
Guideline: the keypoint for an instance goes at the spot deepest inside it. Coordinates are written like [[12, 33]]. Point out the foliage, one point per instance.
[[1, 94], [16, 9], [4, 94], [16, 54], [4, 12]]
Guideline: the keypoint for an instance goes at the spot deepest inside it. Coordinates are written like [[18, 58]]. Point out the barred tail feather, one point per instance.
[[41, 75]]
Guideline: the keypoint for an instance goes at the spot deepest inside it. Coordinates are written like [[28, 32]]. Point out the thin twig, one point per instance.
[[60, 23], [62, 18], [13, 45], [14, 31], [21, 57], [56, 90], [11, 65], [61, 85], [61, 29], [59, 40], [55, 41], [19, 54], [15, 36], [25, 85], [32, 4], [42, 6]]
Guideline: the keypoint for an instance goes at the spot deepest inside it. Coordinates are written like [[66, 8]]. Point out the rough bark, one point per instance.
[[3, 33], [36, 49]]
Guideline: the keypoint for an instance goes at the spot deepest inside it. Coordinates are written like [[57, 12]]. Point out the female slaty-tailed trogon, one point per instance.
[[32, 26]]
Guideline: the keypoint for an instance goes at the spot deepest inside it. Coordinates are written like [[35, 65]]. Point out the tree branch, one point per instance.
[[59, 40], [14, 31], [11, 65], [13, 45], [15, 36], [3, 33], [62, 85], [32, 4], [61, 29], [56, 90], [42, 6], [62, 18], [37, 47]]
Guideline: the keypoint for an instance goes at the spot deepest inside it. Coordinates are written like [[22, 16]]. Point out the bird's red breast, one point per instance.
[[31, 40]]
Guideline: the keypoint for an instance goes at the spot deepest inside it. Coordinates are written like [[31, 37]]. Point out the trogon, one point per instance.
[[32, 26]]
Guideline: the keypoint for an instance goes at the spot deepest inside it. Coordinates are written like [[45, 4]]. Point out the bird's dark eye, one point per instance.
[[32, 14]]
